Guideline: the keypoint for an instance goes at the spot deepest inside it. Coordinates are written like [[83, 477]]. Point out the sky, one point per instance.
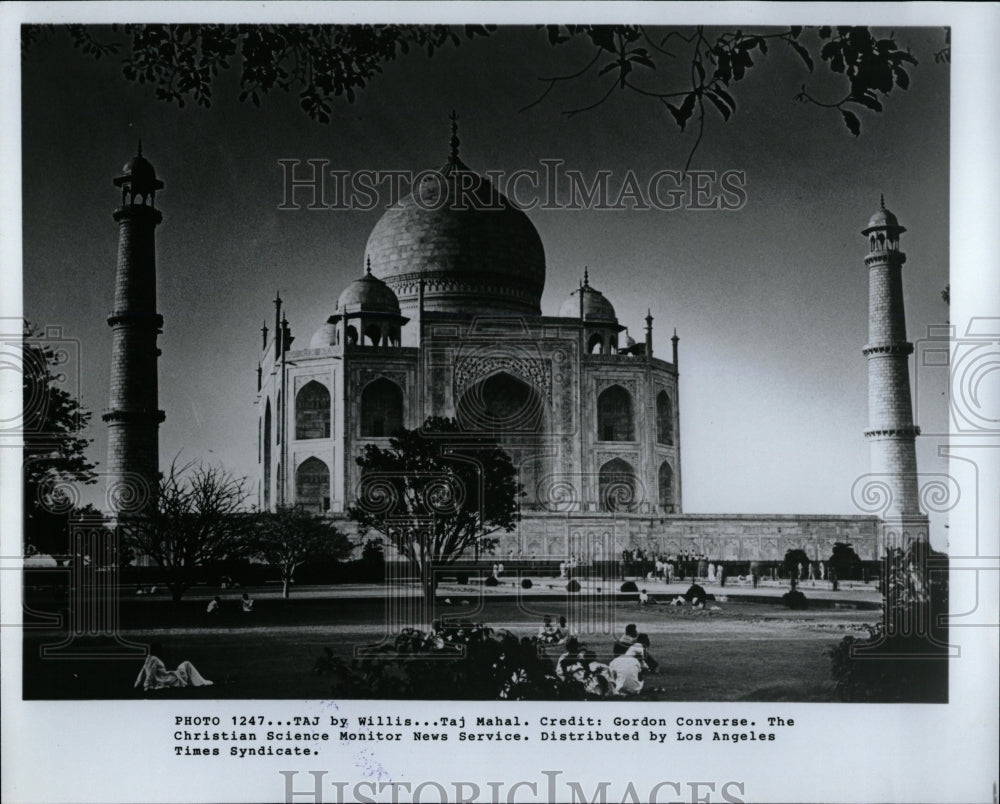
[[769, 301]]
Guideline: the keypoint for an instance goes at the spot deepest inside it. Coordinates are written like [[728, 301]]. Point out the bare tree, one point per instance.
[[199, 519], [290, 536]]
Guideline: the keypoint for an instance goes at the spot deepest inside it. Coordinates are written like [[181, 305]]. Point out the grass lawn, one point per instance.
[[744, 651]]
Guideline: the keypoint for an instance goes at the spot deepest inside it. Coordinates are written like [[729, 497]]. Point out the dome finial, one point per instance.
[[368, 265], [881, 200], [586, 277], [140, 146], [454, 142]]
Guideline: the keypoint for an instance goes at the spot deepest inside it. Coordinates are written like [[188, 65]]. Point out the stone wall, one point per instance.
[[727, 537], [722, 537]]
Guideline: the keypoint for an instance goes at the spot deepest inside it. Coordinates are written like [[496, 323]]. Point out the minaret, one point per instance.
[[891, 433], [133, 416]]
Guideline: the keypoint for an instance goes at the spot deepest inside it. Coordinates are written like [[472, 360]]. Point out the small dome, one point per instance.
[[139, 168], [595, 306], [140, 174], [629, 340], [325, 336], [882, 219], [369, 294]]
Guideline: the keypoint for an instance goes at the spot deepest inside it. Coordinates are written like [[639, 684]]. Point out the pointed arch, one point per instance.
[[665, 482], [278, 420], [615, 420], [664, 419], [617, 486], [312, 411], [381, 409], [267, 454], [502, 403], [312, 485]]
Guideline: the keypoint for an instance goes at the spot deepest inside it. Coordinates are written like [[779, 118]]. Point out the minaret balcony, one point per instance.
[[904, 348], [885, 256], [135, 317], [907, 431], [139, 212], [134, 416]]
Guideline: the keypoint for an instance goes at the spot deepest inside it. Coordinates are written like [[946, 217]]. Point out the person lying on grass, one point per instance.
[[155, 676]]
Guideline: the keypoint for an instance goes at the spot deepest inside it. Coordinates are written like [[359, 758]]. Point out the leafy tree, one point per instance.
[[371, 566], [903, 658], [199, 519], [845, 562], [792, 560], [290, 536], [688, 72], [427, 494], [55, 460], [372, 552], [318, 62], [916, 576]]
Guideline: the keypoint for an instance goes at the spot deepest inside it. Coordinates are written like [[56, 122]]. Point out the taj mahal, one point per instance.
[[445, 319]]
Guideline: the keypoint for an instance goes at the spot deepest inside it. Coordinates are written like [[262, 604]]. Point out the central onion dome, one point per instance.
[[475, 251]]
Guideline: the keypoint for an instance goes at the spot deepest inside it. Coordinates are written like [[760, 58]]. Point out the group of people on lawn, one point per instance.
[[215, 604], [695, 595], [625, 674]]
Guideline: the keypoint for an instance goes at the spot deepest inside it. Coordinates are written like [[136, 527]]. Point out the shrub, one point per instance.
[[472, 662], [491, 581], [628, 586], [526, 583], [462, 578], [795, 600], [573, 586]]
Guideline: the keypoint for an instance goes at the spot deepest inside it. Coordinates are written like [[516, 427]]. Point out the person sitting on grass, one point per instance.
[[548, 634], [647, 658], [626, 641], [696, 596], [214, 605], [562, 630], [571, 669], [571, 653], [598, 683], [625, 671], [434, 640], [246, 603], [155, 676], [646, 599]]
